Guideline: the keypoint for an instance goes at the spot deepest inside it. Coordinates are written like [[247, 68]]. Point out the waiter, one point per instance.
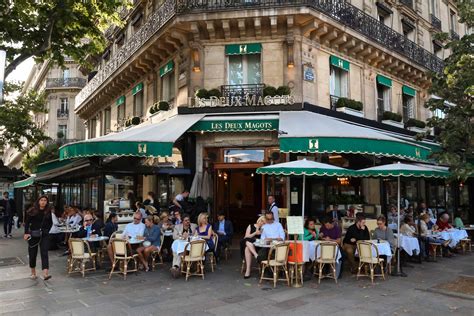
[[273, 208]]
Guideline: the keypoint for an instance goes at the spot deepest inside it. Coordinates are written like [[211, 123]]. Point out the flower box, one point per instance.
[[393, 123], [350, 111], [417, 129]]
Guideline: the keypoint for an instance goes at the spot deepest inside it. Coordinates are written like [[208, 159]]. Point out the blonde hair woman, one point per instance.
[[247, 248], [204, 229]]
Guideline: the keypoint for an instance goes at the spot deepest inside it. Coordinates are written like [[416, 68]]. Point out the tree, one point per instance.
[[45, 153], [50, 30], [18, 128], [455, 89]]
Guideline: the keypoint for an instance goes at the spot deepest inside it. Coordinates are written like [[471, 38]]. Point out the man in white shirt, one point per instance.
[[272, 230], [136, 228], [273, 208], [179, 199]]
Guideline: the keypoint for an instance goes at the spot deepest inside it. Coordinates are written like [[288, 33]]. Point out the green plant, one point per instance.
[[202, 94], [128, 122], [60, 134], [214, 93], [163, 106], [415, 123], [349, 103], [153, 109], [43, 154], [387, 115], [269, 91], [135, 120], [283, 90]]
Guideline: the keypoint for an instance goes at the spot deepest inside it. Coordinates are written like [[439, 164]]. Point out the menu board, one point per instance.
[[295, 225]]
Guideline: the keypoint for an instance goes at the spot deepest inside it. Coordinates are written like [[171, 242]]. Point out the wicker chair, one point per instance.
[[328, 256], [436, 249], [369, 257], [123, 255], [277, 264], [80, 253], [194, 253], [211, 254], [157, 254], [466, 245]]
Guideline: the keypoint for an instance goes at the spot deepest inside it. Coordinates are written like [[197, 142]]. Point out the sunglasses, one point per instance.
[[137, 218], [87, 220]]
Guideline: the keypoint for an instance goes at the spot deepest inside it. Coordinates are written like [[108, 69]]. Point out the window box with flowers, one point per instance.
[[350, 106], [415, 125], [393, 119]]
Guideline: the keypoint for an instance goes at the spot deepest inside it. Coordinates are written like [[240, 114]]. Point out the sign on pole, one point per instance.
[[3, 55], [295, 225]]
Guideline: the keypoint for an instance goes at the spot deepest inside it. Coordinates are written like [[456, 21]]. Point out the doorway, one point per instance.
[[239, 194]]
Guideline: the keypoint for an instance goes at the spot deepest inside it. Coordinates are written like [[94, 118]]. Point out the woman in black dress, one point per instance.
[[247, 248], [38, 222]]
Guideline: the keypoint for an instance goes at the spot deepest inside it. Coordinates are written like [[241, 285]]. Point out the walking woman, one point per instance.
[[38, 222]]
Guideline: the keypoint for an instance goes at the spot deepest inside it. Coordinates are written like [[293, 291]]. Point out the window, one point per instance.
[[243, 155], [121, 113], [408, 27], [434, 7], [168, 86], [138, 104], [92, 128], [66, 73], [63, 105], [438, 49], [244, 69], [339, 82], [383, 99], [62, 131], [453, 21], [107, 121], [383, 12], [408, 107]]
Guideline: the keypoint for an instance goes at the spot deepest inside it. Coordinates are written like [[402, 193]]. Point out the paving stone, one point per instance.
[[290, 304]]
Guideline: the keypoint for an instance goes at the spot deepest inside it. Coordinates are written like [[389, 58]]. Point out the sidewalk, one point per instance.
[[223, 292]]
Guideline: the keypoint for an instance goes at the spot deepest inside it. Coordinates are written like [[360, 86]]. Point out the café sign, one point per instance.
[[247, 100], [235, 125]]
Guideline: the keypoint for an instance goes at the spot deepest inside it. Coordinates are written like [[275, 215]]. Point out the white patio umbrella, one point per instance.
[[206, 188], [196, 186], [399, 170], [305, 168]]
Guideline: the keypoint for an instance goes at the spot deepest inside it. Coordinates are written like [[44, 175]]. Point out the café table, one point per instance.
[[383, 248], [409, 244], [100, 239], [179, 245], [455, 235]]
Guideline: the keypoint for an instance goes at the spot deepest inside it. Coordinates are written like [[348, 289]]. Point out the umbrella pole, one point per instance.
[[304, 196], [399, 268]]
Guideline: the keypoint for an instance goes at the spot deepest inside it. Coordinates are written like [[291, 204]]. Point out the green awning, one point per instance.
[[236, 124], [308, 132], [51, 165], [145, 140], [137, 88], [384, 81], [403, 170], [243, 49], [339, 62], [24, 183], [120, 101], [409, 91], [305, 167], [166, 68]]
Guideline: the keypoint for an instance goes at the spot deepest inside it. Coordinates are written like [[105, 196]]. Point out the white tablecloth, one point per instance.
[[454, 234], [315, 250], [409, 244], [98, 238], [384, 249], [179, 245]]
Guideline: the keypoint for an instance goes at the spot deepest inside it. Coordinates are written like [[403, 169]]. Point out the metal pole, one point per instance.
[[399, 271], [304, 196]]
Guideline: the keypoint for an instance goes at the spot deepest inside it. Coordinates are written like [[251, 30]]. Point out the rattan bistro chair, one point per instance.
[[328, 256], [157, 254], [277, 261], [193, 254], [369, 257], [212, 254], [80, 253], [123, 255]]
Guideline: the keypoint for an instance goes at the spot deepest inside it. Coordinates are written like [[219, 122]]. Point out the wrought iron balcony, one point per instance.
[[408, 3], [435, 22], [454, 36], [65, 82], [242, 90], [62, 113], [338, 10]]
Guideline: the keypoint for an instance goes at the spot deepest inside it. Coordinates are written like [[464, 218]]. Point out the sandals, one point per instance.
[[33, 277], [46, 278]]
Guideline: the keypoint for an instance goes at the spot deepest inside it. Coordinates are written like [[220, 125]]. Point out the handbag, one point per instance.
[[38, 233]]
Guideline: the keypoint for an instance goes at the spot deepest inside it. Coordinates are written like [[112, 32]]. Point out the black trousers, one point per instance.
[[43, 244], [7, 224]]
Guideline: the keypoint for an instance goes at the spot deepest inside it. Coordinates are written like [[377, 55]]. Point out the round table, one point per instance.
[[455, 235], [134, 241], [383, 248], [98, 238], [315, 250], [409, 244], [179, 245]]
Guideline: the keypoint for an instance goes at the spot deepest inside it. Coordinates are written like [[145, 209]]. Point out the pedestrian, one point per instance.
[[38, 223], [10, 210]]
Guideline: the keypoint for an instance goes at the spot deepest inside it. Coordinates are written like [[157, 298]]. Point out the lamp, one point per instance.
[[196, 60], [290, 59]]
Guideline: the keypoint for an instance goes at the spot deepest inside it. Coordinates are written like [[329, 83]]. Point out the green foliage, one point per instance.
[[60, 135], [387, 115], [202, 94], [455, 89], [50, 30], [18, 127], [415, 123], [283, 90], [135, 120], [214, 93], [44, 154], [163, 106], [349, 103], [269, 91], [153, 109]]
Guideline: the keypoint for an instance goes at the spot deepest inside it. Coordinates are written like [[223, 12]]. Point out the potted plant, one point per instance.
[[416, 125], [60, 135], [283, 90], [135, 120], [127, 122], [350, 106], [391, 118], [269, 91], [154, 109], [204, 97], [163, 106], [214, 93]]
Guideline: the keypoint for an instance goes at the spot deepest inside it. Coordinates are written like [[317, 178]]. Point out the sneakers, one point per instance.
[[10, 236]]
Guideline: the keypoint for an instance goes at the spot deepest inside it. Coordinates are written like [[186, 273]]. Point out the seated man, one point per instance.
[[355, 232], [270, 231], [111, 225], [225, 230], [132, 230], [443, 222], [329, 231], [181, 231], [88, 228]]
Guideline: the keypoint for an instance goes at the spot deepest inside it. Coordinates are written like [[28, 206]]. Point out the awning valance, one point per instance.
[[303, 132], [237, 123], [137, 88], [120, 101], [409, 91], [152, 140], [24, 183], [166, 68], [243, 49], [384, 81], [339, 62]]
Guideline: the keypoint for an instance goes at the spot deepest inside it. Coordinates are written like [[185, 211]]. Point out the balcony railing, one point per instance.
[[408, 3], [240, 91], [62, 113], [65, 82], [435, 22], [454, 36], [338, 10]]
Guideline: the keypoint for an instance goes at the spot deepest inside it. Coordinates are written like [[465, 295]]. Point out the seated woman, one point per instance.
[[384, 233], [310, 230], [426, 240], [204, 230], [111, 225], [166, 228], [247, 248], [457, 220], [56, 237], [152, 236], [408, 227]]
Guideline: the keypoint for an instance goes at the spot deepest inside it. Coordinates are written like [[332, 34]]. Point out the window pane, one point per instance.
[[167, 87], [138, 104], [243, 155], [236, 73], [254, 74]]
